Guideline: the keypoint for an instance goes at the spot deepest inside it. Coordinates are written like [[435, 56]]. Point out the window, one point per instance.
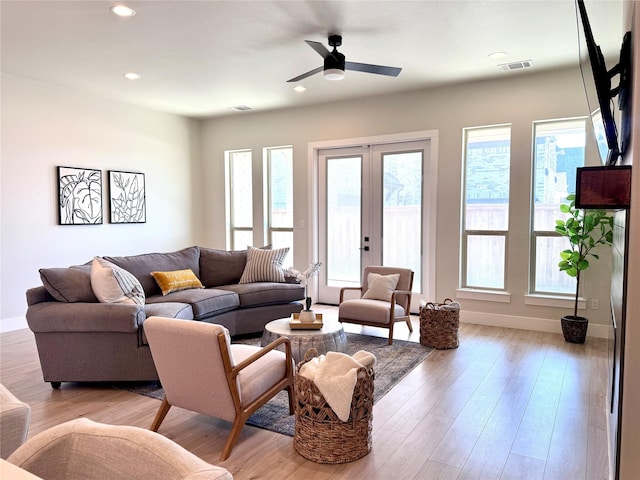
[[239, 199], [485, 212], [279, 198], [558, 151]]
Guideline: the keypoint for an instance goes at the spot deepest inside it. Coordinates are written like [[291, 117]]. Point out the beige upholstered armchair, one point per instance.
[[202, 371], [83, 449], [14, 422], [385, 298]]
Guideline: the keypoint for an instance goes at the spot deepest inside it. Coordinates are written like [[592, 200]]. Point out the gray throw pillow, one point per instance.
[[70, 285], [221, 267]]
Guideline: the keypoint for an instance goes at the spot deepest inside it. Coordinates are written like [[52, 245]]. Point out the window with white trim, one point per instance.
[[559, 149], [485, 210], [279, 198], [239, 199]]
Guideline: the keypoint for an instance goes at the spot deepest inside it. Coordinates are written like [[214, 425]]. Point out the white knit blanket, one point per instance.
[[335, 374]]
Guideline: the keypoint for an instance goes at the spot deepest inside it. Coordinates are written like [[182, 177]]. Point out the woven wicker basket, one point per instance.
[[439, 327], [320, 436]]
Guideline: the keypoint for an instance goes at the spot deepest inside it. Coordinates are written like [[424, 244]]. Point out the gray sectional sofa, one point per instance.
[[81, 339]]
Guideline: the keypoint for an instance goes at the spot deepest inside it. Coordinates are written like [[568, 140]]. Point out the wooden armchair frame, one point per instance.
[[242, 413], [400, 297]]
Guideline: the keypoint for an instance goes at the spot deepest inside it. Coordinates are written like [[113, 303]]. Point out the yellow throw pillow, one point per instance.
[[176, 280]]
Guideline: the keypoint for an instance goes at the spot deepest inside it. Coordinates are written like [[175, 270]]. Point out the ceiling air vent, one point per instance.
[[240, 108], [506, 67]]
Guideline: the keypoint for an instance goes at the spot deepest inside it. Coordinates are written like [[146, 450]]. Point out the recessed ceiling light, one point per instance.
[[497, 55], [299, 88], [123, 11], [132, 76]]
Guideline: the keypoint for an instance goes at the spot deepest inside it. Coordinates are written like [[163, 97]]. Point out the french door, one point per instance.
[[371, 203]]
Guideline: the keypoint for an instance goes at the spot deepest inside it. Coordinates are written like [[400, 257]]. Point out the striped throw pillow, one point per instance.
[[264, 265], [112, 284]]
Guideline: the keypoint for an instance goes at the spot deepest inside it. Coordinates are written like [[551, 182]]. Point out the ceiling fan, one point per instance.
[[335, 64]]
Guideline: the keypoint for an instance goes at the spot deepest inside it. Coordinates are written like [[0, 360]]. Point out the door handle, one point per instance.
[[366, 249]]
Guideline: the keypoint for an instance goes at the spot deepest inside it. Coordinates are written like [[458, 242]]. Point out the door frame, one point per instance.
[[428, 214]]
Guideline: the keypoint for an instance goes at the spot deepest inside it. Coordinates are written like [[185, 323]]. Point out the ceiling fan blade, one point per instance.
[[308, 74], [377, 69], [318, 47]]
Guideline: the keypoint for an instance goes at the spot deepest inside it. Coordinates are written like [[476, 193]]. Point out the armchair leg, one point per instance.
[[238, 423], [408, 320], [390, 342], [162, 412], [291, 394]]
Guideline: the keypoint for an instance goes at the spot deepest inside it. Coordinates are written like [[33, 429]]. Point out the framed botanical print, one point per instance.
[[79, 196], [127, 197]]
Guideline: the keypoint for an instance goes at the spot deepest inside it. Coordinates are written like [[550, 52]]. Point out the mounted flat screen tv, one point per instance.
[[600, 94]]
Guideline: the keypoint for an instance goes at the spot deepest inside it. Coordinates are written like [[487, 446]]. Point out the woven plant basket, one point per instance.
[[439, 327], [320, 436]]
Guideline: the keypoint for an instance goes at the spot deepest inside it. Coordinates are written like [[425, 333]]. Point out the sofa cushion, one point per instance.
[[112, 284], [266, 293], [221, 267], [71, 284], [176, 280], [142, 265], [204, 303], [176, 310], [169, 309], [264, 265]]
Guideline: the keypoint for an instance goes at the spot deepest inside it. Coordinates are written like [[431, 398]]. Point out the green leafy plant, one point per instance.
[[585, 230]]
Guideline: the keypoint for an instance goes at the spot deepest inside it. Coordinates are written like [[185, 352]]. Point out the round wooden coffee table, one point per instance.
[[330, 337]]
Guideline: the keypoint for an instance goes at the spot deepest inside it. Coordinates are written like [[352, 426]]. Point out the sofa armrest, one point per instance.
[[85, 317], [38, 295]]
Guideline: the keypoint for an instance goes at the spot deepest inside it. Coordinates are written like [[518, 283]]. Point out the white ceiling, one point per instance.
[[198, 58]]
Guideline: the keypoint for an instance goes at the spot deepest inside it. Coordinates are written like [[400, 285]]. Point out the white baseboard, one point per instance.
[[527, 323], [11, 324]]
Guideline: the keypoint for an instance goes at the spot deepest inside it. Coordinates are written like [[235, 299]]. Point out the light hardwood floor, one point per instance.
[[507, 404]]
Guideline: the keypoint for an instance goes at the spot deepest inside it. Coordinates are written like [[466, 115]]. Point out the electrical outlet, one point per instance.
[[595, 304]]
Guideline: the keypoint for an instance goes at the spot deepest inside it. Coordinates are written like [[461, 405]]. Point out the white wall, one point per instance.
[[519, 100], [44, 126]]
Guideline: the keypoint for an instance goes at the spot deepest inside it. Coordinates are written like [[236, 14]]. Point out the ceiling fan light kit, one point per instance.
[[335, 63], [334, 74]]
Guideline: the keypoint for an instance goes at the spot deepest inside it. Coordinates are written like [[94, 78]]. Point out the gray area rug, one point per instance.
[[393, 362]]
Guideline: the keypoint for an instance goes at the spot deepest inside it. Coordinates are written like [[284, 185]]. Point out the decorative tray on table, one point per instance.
[[296, 324]]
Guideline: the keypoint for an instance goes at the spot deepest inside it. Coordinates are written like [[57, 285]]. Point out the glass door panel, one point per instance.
[[402, 212], [343, 221]]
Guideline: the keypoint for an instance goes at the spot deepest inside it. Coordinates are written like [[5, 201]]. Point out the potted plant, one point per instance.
[[585, 230], [306, 315]]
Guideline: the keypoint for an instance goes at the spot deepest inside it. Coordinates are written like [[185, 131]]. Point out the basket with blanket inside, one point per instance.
[[439, 323], [320, 435]]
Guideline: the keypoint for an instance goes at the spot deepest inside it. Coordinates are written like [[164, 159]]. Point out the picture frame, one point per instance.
[[79, 196], [127, 197]]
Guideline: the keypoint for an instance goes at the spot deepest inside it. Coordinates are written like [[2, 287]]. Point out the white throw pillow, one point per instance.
[[380, 287], [264, 265], [112, 284]]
